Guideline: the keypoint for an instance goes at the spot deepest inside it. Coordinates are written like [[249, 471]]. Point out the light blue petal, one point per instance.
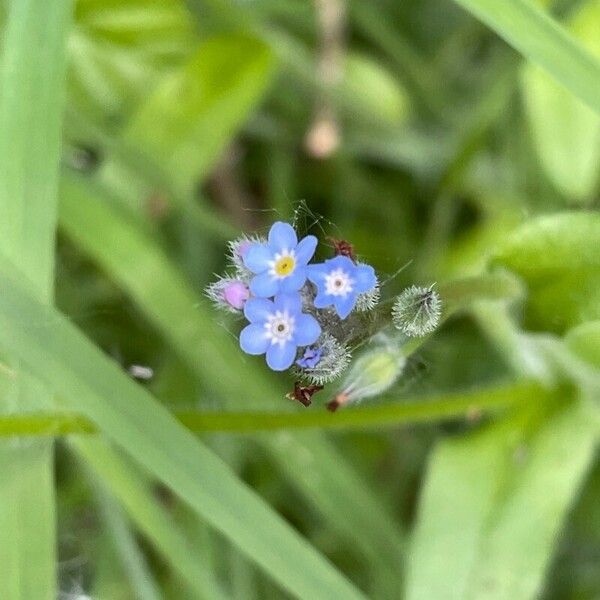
[[306, 249], [344, 306], [340, 262], [264, 285], [258, 309], [293, 282], [280, 358], [316, 273], [290, 302], [257, 258], [364, 277], [322, 300], [253, 339], [282, 237], [307, 330]]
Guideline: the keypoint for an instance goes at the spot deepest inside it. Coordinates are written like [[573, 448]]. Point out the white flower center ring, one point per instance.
[[338, 283], [279, 327]]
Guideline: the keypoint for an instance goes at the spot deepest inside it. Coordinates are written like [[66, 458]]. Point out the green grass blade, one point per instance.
[[544, 42], [31, 99], [134, 492], [31, 103], [50, 346], [27, 520], [126, 547], [493, 505]]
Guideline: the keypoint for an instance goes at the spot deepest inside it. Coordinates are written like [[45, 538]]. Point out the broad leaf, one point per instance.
[[188, 120], [493, 505], [566, 131], [558, 258], [119, 50]]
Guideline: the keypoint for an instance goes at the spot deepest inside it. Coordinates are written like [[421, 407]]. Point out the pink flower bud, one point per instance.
[[235, 293]]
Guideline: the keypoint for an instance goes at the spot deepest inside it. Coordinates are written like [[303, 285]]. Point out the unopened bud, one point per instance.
[[229, 294], [371, 374], [416, 311]]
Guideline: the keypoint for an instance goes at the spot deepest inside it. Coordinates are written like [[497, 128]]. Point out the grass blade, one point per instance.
[[31, 99], [55, 350], [544, 42], [133, 490], [126, 547]]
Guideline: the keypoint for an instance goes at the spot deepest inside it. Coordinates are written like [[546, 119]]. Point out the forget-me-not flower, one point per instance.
[[280, 264], [311, 358], [339, 282], [278, 327]]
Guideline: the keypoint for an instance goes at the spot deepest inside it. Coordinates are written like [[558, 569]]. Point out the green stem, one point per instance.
[[449, 406]]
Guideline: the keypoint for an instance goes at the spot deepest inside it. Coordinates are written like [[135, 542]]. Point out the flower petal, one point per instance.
[[280, 358], [282, 237], [293, 282], [322, 300], [258, 257], [340, 262], [317, 273], [258, 309], [365, 278], [344, 305], [290, 302], [253, 339], [306, 249], [307, 330], [264, 285]]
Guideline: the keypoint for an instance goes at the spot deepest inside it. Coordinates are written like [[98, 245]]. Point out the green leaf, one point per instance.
[[192, 115], [134, 492], [119, 50], [374, 92], [50, 346], [493, 505], [566, 131], [31, 102], [557, 256], [545, 43], [584, 340]]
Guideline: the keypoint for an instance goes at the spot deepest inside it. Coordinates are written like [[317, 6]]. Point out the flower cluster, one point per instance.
[[305, 315], [288, 302]]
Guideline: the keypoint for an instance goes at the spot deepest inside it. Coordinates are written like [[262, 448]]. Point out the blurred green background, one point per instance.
[[148, 133]]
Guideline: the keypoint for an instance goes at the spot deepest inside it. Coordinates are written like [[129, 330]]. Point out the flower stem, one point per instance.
[[449, 406]]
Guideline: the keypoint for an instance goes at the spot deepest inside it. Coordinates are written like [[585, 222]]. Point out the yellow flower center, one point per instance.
[[284, 266]]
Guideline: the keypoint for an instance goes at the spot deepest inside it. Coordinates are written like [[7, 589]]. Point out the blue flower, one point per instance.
[[280, 264], [278, 327], [339, 282], [311, 358]]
